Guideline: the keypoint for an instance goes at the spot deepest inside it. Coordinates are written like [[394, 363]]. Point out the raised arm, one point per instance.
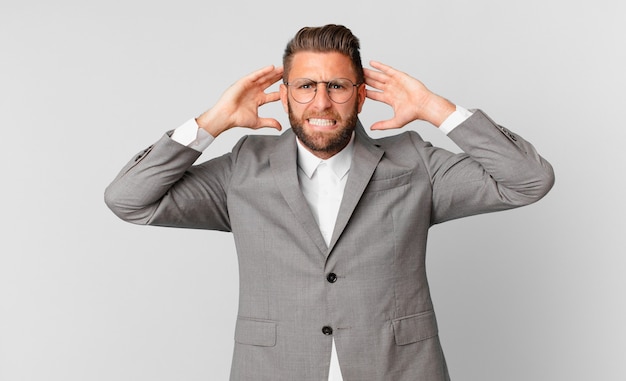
[[498, 169], [239, 105], [161, 186]]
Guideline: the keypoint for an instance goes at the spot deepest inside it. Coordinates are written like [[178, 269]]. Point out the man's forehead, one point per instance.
[[328, 65]]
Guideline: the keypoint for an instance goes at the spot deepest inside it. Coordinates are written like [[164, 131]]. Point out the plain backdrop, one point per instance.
[[535, 293]]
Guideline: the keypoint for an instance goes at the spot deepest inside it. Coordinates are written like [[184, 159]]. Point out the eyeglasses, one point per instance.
[[339, 90]]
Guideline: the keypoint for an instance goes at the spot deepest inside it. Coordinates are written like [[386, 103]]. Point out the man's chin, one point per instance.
[[324, 142], [316, 143]]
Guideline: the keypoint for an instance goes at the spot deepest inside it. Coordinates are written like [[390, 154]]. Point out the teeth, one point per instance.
[[322, 122]]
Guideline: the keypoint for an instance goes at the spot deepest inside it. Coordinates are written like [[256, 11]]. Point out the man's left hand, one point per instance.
[[407, 96]]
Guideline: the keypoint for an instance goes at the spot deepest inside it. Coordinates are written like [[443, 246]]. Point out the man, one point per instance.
[[330, 225]]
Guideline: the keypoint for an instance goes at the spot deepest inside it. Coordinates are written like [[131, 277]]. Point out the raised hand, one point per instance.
[[407, 96], [239, 104]]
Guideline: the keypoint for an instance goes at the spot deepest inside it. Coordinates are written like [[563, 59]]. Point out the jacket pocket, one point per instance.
[[380, 184], [414, 328], [255, 332]]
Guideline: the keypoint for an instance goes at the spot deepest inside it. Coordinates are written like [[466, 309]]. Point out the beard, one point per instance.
[[326, 143]]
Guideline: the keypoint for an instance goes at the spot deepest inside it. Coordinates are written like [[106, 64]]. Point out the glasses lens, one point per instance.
[[340, 90], [303, 90]]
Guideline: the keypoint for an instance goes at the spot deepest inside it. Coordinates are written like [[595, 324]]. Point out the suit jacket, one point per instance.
[[368, 288]]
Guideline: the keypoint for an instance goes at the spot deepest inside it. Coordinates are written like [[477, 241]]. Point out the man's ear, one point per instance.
[[284, 97], [361, 94]]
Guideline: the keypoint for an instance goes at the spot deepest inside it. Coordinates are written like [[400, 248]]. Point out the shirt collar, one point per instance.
[[339, 163]]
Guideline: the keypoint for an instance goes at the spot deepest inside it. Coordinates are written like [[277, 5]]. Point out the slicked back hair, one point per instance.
[[327, 38]]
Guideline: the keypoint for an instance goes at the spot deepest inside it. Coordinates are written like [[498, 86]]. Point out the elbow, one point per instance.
[[548, 181], [124, 209], [539, 186], [528, 189], [113, 202], [545, 181]]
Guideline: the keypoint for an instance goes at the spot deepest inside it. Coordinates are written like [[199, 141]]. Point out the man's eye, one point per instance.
[[336, 86]]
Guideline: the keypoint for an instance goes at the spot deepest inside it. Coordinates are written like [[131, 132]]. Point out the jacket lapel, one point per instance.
[[283, 164], [366, 157]]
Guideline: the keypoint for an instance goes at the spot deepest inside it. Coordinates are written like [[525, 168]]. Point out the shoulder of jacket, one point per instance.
[[408, 137], [255, 146]]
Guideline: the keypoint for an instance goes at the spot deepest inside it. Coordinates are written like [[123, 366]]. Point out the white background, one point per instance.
[[531, 294]]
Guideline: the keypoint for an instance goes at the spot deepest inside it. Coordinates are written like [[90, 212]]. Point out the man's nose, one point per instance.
[[322, 99]]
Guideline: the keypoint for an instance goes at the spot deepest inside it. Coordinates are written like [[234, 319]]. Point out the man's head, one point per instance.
[[323, 111]]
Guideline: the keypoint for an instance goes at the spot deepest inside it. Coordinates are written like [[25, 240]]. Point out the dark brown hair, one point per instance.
[[327, 38]]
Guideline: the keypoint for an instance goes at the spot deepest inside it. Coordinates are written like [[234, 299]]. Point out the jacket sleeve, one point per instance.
[[497, 170], [161, 186]]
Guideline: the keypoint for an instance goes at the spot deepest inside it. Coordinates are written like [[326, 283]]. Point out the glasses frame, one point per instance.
[[327, 83]]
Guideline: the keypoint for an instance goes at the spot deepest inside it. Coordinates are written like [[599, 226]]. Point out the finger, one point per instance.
[[269, 123], [271, 97], [261, 73], [382, 67], [266, 76], [378, 96], [375, 78], [383, 125], [273, 76], [387, 124], [374, 84]]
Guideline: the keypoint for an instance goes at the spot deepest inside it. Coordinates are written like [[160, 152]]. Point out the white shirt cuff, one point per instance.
[[190, 135], [455, 119]]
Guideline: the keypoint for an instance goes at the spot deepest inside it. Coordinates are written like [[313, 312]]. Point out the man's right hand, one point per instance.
[[239, 105]]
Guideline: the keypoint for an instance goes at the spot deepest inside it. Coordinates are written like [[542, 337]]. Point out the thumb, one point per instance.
[[384, 125], [270, 123]]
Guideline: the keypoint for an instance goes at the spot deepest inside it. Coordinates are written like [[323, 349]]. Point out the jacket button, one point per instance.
[[331, 278], [327, 331]]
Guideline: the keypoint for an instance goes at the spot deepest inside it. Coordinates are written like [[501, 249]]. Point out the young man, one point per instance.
[[330, 225]]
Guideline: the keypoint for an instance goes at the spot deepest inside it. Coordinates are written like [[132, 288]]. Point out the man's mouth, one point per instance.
[[322, 122]]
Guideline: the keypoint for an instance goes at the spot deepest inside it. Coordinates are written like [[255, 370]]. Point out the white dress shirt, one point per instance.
[[322, 182]]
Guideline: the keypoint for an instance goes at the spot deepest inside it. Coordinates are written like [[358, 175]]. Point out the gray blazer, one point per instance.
[[368, 289]]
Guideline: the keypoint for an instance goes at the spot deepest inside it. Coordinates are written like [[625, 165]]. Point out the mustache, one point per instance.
[[326, 114]]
